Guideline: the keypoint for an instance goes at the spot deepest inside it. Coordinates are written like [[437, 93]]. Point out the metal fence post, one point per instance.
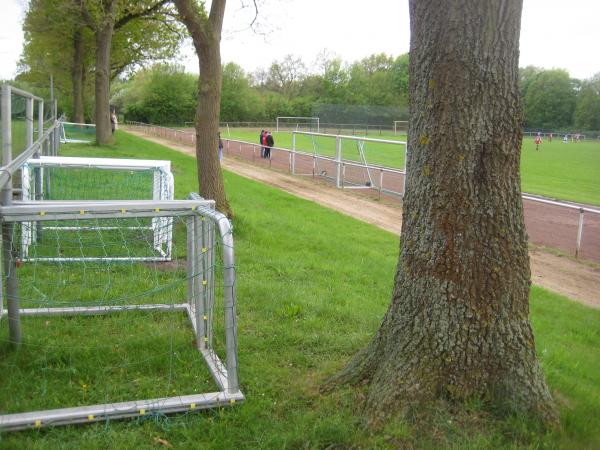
[[293, 154], [579, 233], [28, 122], [8, 250], [338, 160], [40, 119]]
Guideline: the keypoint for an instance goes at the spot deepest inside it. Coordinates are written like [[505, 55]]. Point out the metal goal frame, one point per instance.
[[298, 117], [34, 169], [204, 226]]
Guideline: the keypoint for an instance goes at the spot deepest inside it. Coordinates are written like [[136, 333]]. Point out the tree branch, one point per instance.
[[217, 12], [192, 20], [87, 17], [143, 13]]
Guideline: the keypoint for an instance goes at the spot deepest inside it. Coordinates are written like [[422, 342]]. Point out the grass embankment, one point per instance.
[[563, 171], [312, 288]]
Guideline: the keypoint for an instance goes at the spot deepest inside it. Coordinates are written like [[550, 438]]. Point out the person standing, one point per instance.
[[264, 145], [113, 121], [538, 141], [220, 147], [270, 143], [260, 141]]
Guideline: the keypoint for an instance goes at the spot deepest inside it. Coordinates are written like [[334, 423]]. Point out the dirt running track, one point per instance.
[[576, 280]]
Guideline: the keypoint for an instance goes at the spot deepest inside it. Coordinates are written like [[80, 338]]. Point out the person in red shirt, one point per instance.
[[264, 144], [538, 141]]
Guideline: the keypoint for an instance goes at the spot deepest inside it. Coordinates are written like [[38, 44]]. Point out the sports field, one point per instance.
[[562, 171], [304, 309]]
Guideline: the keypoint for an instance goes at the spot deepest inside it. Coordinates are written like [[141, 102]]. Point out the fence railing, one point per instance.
[[569, 227]]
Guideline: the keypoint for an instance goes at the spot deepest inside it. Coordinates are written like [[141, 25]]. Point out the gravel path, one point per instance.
[[577, 280]]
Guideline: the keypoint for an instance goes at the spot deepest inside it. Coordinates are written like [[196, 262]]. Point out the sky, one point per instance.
[[554, 33]]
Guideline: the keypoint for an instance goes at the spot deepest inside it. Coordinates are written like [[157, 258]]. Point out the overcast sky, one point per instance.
[[555, 33]]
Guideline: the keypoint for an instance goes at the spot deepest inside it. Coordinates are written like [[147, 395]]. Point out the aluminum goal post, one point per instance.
[[77, 133], [401, 125], [204, 229], [307, 120], [38, 185]]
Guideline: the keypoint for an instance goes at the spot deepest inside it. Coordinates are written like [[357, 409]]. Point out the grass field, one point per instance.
[[312, 288], [563, 171]]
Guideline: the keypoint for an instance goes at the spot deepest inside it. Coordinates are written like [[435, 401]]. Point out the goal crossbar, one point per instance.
[[307, 119]]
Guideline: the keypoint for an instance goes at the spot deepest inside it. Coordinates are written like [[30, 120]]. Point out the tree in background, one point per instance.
[[103, 17], [57, 44], [549, 100], [587, 109], [59, 41], [162, 94], [205, 29], [457, 327], [285, 76], [237, 101]]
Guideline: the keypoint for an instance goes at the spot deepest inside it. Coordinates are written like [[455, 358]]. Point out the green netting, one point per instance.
[[76, 360], [68, 183], [18, 124], [79, 132]]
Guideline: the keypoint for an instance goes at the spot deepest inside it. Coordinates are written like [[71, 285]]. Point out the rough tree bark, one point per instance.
[[77, 76], [457, 327], [206, 35]]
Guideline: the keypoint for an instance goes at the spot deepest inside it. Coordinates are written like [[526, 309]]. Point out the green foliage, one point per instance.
[[549, 101], [237, 101], [51, 27], [162, 94], [587, 110]]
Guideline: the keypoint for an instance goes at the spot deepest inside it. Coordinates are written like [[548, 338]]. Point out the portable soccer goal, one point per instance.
[[400, 127], [67, 178], [101, 339], [77, 133], [298, 124], [351, 162]]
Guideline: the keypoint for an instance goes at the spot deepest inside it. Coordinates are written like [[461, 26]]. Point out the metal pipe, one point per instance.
[[40, 119], [338, 159], [8, 250], [23, 93], [579, 232], [293, 154]]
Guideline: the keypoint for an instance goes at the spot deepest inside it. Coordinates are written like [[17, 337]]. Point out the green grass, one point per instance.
[[563, 171], [312, 288]]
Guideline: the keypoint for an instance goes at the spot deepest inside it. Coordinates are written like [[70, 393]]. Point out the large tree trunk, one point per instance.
[[210, 177], [77, 76], [457, 327], [102, 87], [206, 35]]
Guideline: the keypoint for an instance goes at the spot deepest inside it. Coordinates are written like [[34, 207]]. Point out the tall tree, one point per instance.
[[103, 17], [550, 100], [205, 29], [587, 110], [457, 327], [55, 44]]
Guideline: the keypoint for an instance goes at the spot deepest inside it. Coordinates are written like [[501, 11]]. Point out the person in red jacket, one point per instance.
[[270, 143], [264, 144]]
